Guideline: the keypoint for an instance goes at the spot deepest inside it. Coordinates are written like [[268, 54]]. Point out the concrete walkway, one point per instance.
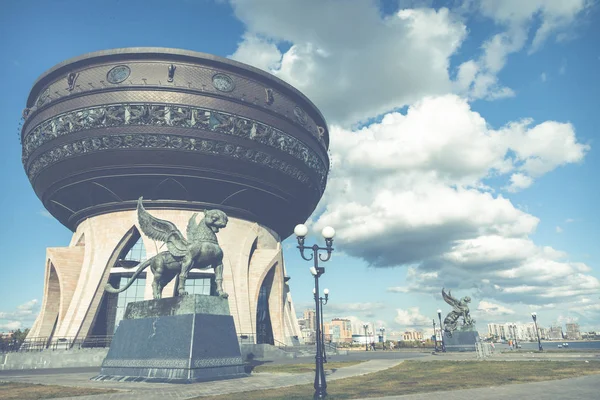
[[151, 391], [577, 388]]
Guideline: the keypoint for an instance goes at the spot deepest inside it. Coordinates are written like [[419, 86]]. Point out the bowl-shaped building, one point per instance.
[[188, 132]]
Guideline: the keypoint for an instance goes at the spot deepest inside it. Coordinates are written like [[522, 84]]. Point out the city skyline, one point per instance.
[[502, 330]]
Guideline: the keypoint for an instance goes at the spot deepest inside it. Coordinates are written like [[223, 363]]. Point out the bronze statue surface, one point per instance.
[[200, 250], [460, 309]]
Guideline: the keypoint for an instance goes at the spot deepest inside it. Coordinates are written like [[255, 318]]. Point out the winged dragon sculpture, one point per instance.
[[460, 309], [200, 250]]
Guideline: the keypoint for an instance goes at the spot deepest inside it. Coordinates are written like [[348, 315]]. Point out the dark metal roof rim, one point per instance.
[[169, 54], [73, 96]]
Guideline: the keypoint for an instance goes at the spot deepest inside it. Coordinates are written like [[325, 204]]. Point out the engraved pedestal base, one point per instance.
[[461, 340], [175, 340]]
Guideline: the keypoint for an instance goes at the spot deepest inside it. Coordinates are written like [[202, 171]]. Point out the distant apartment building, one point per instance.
[[311, 317], [338, 330], [308, 335], [573, 331], [497, 330], [555, 333], [411, 336], [590, 335], [508, 331]]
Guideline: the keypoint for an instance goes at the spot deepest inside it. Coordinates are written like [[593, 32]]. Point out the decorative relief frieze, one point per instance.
[[222, 82], [118, 74], [116, 115], [146, 363], [43, 97], [217, 362], [301, 116], [270, 98], [71, 80], [171, 73], [158, 141], [173, 363]]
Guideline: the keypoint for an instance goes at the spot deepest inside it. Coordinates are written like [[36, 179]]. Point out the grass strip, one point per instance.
[[418, 377], [33, 391], [301, 368]]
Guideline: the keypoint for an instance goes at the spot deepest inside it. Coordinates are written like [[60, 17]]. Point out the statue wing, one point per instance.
[[161, 230], [449, 299], [192, 228]]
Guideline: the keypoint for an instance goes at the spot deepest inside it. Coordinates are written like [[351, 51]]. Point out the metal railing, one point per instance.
[[246, 338], [484, 349], [280, 345], [56, 343], [331, 346]]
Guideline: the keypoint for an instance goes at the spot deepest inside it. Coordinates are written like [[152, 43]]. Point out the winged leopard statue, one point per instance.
[[200, 250]]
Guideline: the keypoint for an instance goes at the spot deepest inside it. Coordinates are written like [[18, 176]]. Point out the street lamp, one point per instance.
[[434, 335], [328, 233], [321, 299], [514, 326], [534, 316], [382, 330], [441, 330], [365, 326]]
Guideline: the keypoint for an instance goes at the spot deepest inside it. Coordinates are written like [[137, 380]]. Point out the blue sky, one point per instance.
[[483, 180]]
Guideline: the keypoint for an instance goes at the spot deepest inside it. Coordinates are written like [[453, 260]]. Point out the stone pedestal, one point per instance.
[[176, 340], [461, 340]]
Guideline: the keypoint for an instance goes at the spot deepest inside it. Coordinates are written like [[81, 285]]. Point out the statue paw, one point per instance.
[[183, 293], [223, 295]]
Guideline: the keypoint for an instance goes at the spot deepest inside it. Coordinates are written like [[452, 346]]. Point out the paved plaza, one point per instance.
[[576, 388]]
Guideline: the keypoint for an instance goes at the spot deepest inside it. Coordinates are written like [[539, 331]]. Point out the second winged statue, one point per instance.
[[460, 308], [200, 250]]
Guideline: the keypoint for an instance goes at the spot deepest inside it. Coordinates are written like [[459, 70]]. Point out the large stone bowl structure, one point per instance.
[[187, 131]]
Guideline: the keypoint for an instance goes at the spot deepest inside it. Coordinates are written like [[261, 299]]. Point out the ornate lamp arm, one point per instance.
[[302, 247], [329, 249]]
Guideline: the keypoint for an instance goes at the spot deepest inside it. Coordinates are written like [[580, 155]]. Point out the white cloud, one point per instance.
[[567, 319], [556, 16], [415, 180], [45, 213], [569, 220], [508, 270], [358, 324], [563, 67], [418, 181], [559, 229], [543, 77], [417, 187], [519, 181], [411, 317], [487, 309], [348, 50], [477, 78], [23, 315], [263, 53], [354, 307], [24, 310], [11, 326]]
